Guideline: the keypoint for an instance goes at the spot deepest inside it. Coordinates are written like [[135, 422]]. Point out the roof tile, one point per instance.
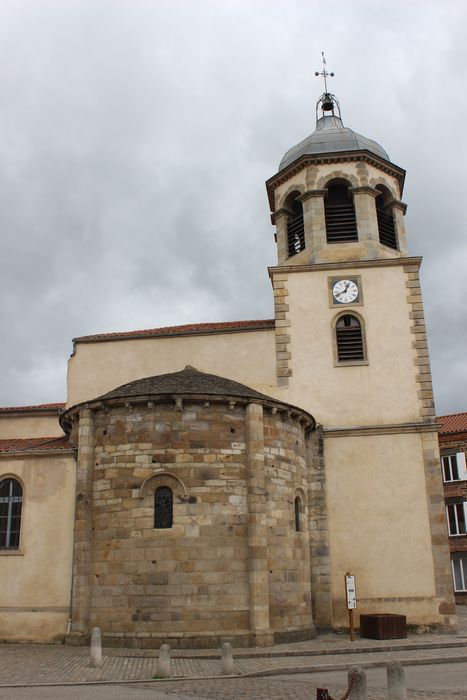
[[32, 409], [187, 329], [40, 444], [453, 423]]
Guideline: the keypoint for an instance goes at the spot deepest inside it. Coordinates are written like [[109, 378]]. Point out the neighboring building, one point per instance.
[[453, 450], [229, 501]]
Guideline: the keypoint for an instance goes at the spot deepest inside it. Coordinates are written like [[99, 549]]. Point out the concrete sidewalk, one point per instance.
[[28, 665]]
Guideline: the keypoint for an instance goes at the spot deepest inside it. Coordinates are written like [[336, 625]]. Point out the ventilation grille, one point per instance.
[[349, 339], [341, 224], [387, 230], [295, 235]]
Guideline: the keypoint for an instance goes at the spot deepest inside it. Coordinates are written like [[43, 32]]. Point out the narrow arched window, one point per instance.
[[163, 507], [11, 500], [385, 216], [349, 339], [339, 211], [295, 225], [298, 510]]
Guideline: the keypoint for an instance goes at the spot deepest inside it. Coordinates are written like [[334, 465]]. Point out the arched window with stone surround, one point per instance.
[[350, 342], [298, 511], [163, 507], [11, 501], [339, 211], [385, 216], [295, 225]]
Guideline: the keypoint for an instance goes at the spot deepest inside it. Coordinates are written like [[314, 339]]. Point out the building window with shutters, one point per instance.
[[11, 501], [339, 211], [163, 508], [454, 467], [456, 515], [349, 340]]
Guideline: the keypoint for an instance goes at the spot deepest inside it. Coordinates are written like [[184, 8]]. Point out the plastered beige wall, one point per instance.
[[36, 579], [27, 426], [385, 390], [96, 368], [378, 525]]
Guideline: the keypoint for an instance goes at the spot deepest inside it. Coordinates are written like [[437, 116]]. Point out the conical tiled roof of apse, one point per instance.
[[187, 381]]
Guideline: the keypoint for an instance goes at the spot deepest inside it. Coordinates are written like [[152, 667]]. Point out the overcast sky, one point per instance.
[[136, 137]]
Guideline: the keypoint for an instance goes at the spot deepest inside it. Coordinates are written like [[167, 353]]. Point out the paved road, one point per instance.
[[439, 682]]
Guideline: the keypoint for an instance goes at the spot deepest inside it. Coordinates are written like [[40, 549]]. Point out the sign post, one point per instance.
[[351, 598]]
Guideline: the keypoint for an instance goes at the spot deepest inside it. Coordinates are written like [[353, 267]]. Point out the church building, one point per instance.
[[215, 482]]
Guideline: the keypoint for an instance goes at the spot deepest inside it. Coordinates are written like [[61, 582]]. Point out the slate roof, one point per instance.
[[331, 136], [38, 444], [187, 381], [452, 423], [187, 329], [32, 409]]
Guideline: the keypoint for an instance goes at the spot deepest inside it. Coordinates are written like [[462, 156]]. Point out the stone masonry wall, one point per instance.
[[288, 550], [189, 580]]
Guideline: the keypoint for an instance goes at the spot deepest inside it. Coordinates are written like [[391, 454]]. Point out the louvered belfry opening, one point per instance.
[[386, 225], [349, 338], [339, 210], [295, 228]]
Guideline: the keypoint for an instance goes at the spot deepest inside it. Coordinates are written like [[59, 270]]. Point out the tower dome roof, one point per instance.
[[331, 136]]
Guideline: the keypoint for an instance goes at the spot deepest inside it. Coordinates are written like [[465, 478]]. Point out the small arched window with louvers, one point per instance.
[[339, 211], [11, 502], [295, 225], [385, 216], [350, 343], [163, 508]]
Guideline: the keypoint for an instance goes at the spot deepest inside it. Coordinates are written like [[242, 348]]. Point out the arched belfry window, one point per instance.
[[295, 225], [385, 216], [163, 507], [11, 500], [298, 510], [349, 339], [339, 211]]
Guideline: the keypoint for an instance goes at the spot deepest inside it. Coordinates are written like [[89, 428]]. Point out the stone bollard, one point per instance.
[[95, 657], [357, 684], [163, 668], [227, 662], [396, 681]]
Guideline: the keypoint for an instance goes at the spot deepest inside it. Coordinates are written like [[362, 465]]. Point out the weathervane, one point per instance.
[[327, 102], [324, 73]]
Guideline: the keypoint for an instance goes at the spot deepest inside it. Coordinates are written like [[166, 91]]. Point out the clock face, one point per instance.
[[345, 291]]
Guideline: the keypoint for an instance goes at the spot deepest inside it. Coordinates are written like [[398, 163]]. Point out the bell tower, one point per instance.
[[351, 346]]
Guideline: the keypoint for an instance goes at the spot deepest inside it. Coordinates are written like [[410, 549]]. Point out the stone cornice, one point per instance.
[[285, 410], [346, 265], [389, 429], [342, 157]]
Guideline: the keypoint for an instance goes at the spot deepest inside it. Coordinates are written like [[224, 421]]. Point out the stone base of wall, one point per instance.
[[283, 637], [154, 641]]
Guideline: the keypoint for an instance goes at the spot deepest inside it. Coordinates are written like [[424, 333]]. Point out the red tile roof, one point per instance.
[[453, 423], [188, 329], [34, 444], [32, 409]]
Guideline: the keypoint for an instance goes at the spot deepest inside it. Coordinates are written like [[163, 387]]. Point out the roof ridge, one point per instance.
[[180, 329], [33, 407]]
